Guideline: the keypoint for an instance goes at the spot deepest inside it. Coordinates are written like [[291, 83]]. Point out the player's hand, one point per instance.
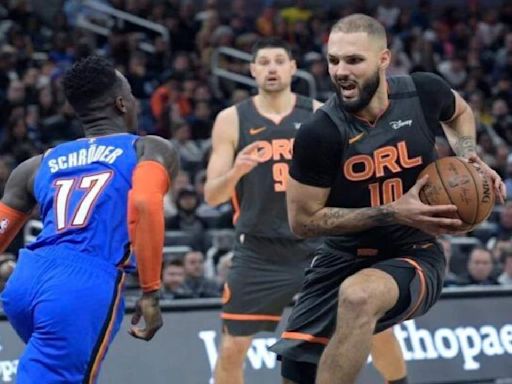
[[247, 159], [499, 186], [148, 308], [432, 219]]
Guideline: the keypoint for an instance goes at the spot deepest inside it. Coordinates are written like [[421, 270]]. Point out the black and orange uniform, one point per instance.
[[368, 165], [269, 261]]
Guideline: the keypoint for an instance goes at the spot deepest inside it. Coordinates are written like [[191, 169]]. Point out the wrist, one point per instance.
[[233, 175], [155, 295]]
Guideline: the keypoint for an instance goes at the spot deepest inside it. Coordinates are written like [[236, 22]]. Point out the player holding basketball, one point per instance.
[[353, 179], [252, 144], [64, 298]]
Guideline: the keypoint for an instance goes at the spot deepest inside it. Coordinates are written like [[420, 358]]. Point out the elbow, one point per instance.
[[212, 198], [298, 229]]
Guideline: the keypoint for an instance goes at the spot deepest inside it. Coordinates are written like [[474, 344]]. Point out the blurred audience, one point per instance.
[[479, 268], [195, 281]]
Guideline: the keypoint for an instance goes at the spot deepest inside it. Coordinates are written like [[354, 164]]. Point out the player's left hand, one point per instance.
[[499, 186], [147, 307]]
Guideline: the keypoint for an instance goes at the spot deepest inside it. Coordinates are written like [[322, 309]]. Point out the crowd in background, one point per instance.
[[469, 45]]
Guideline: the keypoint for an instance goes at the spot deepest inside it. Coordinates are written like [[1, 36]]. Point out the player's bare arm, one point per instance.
[[309, 217], [224, 169], [158, 165], [160, 150], [461, 133], [18, 200]]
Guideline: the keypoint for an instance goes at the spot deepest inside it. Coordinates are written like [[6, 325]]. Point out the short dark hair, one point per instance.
[[88, 80], [359, 22], [271, 42]]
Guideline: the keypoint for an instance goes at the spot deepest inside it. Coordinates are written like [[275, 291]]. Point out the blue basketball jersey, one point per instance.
[[82, 190]]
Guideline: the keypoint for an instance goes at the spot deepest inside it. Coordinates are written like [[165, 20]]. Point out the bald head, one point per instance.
[[362, 23]]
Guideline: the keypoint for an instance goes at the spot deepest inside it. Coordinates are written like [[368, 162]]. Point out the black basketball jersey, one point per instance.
[[260, 201], [376, 164]]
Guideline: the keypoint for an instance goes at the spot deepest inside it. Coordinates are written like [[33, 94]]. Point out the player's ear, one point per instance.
[[294, 66], [121, 104], [385, 58], [252, 67]]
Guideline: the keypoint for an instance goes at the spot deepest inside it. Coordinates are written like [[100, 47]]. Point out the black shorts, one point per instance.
[[265, 276], [417, 269]]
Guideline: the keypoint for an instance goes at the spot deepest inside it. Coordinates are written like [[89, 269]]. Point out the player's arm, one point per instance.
[[316, 162], [224, 169], [456, 117], [157, 166], [151, 180], [17, 201]]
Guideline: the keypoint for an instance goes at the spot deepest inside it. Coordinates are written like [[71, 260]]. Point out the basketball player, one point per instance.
[[64, 298], [252, 143], [353, 180]]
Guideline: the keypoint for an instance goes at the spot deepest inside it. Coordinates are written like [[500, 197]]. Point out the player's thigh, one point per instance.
[[75, 318], [418, 272]]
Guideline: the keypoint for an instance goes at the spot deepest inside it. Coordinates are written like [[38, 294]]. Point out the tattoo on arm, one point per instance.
[[465, 146], [338, 221]]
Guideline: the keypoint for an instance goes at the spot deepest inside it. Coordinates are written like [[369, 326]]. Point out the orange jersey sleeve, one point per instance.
[[150, 182]]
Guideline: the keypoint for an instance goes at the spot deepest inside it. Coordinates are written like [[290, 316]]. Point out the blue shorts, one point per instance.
[[67, 308]]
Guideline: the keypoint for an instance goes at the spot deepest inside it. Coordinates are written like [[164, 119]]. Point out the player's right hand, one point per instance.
[[433, 219], [147, 307], [247, 159]]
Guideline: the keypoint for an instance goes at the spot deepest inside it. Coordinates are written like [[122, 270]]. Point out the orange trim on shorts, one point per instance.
[[306, 337], [226, 294], [236, 207], [244, 317], [106, 337], [423, 287], [367, 252]]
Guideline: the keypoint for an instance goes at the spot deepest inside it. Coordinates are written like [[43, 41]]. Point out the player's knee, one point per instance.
[[234, 348], [354, 299]]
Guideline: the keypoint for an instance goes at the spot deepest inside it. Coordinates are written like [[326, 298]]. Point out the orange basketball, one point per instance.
[[454, 181]]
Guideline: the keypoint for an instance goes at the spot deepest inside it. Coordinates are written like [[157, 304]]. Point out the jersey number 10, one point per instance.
[[93, 186], [390, 189]]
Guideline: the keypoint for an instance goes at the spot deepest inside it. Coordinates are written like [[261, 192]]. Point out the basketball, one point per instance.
[[454, 181]]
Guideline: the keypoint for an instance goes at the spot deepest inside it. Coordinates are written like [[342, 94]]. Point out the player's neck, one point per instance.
[[101, 125], [275, 104], [377, 105]]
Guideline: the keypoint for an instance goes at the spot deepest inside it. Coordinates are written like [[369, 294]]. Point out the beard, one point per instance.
[[366, 92]]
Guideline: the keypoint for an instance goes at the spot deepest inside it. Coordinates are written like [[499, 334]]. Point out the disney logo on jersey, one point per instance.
[[4, 223], [397, 124]]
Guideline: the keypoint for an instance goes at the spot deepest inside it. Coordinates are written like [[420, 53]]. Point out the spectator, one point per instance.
[[5, 171], [508, 177], [479, 268], [195, 281], [223, 266], [506, 277], [173, 278], [186, 219], [505, 224], [191, 151]]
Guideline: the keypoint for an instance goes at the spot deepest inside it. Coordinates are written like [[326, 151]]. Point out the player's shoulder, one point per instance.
[[320, 124], [151, 144], [228, 113], [422, 79]]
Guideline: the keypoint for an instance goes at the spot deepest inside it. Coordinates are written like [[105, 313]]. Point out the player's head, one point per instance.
[[358, 57], [94, 87], [272, 65]]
